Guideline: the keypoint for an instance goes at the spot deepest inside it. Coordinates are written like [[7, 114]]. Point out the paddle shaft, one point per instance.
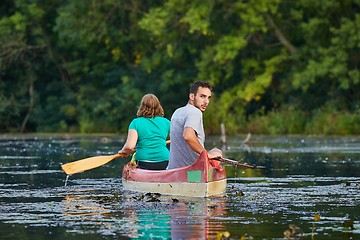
[[233, 162]]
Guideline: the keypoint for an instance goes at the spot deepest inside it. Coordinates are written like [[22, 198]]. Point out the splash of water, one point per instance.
[[66, 180]]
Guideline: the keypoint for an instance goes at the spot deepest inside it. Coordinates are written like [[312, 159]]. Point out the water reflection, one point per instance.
[[144, 218]]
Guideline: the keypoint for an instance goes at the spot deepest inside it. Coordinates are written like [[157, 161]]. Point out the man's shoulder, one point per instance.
[[188, 108], [178, 110]]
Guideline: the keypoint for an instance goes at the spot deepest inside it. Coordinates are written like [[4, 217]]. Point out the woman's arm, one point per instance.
[[129, 146]]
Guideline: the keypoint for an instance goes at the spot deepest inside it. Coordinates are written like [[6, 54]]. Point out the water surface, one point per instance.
[[309, 187]]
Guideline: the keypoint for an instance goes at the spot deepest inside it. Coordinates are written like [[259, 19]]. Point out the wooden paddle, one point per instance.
[[233, 162], [89, 163]]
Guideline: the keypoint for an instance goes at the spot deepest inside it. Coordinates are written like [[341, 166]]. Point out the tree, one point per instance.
[[266, 53], [23, 48], [84, 65]]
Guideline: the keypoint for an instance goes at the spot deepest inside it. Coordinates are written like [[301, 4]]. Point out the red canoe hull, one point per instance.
[[204, 178]]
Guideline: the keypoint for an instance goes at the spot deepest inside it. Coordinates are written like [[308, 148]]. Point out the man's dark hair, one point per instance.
[[195, 86]]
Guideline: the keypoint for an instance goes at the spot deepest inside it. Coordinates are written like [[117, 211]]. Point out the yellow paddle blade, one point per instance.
[[87, 163], [90, 163]]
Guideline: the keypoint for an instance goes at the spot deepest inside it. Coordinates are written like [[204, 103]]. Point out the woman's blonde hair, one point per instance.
[[150, 107]]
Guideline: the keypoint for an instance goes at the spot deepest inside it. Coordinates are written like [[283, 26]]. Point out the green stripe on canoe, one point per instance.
[[194, 176], [210, 174]]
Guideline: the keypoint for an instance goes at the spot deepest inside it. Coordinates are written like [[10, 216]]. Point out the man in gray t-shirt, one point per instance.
[[187, 133]]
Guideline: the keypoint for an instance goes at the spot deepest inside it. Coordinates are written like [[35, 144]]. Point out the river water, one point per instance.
[[305, 188]]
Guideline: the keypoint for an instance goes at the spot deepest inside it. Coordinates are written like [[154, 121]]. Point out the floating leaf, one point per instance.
[[222, 235], [240, 193], [349, 224]]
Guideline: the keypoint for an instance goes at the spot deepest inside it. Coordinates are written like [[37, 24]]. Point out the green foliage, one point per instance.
[[257, 87], [331, 53], [325, 121], [276, 66], [23, 59], [283, 121], [197, 16], [334, 122], [228, 112], [155, 21]]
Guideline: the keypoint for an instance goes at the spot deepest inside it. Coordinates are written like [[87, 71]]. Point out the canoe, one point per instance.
[[204, 178]]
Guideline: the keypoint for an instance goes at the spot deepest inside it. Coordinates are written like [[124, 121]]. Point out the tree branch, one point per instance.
[[280, 35], [31, 99]]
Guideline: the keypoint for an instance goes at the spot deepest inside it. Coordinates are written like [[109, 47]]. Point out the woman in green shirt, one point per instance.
[[147, 134]]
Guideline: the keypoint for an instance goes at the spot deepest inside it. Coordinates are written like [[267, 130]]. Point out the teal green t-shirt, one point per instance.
[[152, 135]]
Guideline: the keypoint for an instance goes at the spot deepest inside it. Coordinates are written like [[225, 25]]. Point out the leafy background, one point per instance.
[[277, 66]]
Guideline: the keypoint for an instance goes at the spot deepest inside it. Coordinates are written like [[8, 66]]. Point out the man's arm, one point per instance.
[[190, 137]]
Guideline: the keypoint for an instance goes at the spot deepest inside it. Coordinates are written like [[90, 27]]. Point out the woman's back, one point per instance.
[[152, 135]]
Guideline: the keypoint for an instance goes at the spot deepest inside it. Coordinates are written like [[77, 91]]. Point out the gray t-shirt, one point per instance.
[[180, 152]]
